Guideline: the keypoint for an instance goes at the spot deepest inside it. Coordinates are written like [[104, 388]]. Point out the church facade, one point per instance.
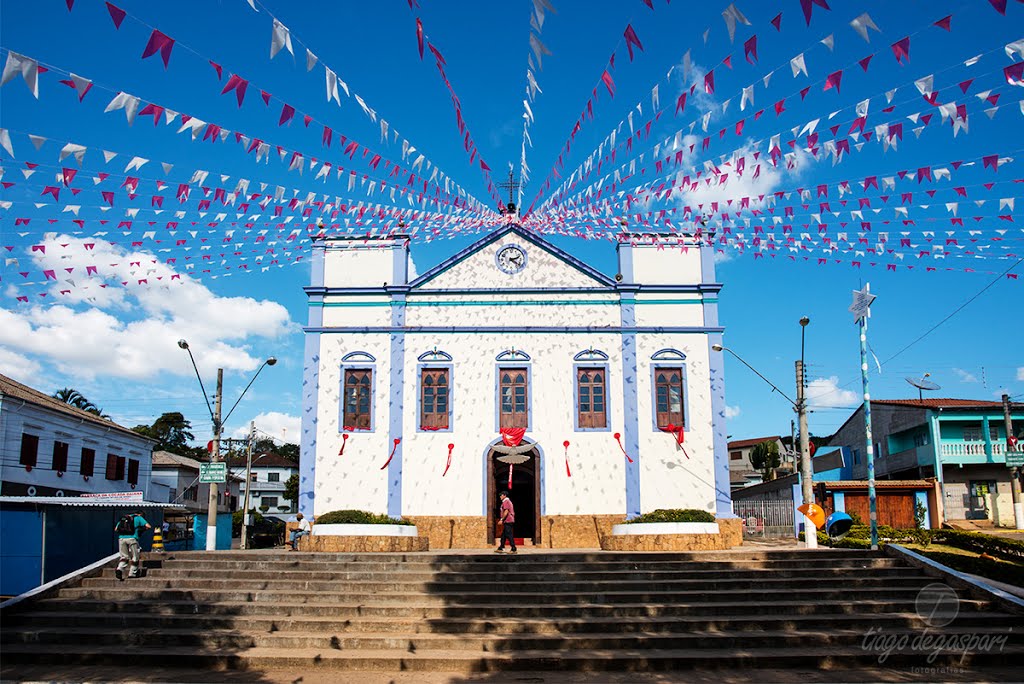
[[513, 366]]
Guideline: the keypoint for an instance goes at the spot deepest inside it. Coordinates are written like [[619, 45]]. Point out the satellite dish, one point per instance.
[[923, 383]]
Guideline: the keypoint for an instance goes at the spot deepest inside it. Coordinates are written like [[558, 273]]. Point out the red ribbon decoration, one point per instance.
[[449, 464], [512, 436], [679, 432], [510, 476], [344, 439], [567, 471], [617, 436], [398, 440]]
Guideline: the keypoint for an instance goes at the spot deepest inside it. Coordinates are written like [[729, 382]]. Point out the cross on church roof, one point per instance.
[[512, 185]]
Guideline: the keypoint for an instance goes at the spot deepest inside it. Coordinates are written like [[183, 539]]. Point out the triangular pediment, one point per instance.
[[542, 266]]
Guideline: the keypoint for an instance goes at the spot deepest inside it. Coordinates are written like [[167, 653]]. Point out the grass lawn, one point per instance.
[[969, 561]]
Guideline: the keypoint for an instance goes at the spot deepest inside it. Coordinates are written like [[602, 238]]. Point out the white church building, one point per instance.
[[597, 398]]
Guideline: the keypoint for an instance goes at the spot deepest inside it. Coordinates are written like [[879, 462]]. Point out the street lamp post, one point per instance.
[[218, 427], [800, 406]]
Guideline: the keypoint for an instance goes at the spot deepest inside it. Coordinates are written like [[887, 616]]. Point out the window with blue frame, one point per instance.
[[434, 395], [668, 396], [513, 394], [358, 384], [590, 398]]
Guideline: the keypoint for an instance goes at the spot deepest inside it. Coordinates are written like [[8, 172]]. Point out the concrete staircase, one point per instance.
[[484, 613]]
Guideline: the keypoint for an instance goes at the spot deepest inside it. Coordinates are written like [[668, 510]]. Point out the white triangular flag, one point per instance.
[[798, 65], [5, 141], [861, 25], [311, 60], [26, 67], [280, 37], [37, 140], [829, 41], [332, 86], [167, 167], [129, 103], [107, 156]]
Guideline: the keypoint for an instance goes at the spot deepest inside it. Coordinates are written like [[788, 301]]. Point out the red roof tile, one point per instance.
[[744, 443]]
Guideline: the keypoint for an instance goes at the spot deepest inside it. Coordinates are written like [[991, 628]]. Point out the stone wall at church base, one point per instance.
[[452, 532], [730, 535], [576, 531], [367, 544]]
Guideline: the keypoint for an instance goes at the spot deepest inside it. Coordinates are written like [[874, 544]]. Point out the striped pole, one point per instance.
[[861, 310]]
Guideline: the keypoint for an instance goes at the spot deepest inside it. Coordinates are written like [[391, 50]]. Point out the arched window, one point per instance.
[[513, 397], [434, 385], [590, 397], [668, 396], [357, 398]]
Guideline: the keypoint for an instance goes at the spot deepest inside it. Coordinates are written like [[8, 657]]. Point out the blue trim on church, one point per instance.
[[310, 392], [395, 404], [630, 410], [716, 372]]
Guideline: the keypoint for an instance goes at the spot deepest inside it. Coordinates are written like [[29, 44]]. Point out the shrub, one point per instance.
[[999, 571], [1010, 549], [352, 517], [674, 515]]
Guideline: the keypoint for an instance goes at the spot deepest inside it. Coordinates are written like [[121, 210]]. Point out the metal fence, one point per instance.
[[765, 518]]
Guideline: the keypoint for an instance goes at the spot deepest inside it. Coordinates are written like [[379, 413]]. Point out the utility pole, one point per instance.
[[248, 486], [1018, 507], [211, 520], [806, 471]]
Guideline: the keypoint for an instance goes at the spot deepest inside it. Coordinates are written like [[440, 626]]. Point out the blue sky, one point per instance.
[[116, 344]]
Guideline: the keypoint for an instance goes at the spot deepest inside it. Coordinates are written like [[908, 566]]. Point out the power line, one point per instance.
[[955, 311]]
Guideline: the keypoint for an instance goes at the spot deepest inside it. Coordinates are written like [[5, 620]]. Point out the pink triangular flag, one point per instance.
[[161, 42], [117, 15]]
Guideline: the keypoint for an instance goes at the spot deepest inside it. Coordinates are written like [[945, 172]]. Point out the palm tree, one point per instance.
[[73, 397]]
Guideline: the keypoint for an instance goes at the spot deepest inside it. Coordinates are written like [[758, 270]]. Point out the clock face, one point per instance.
[[511, 259]]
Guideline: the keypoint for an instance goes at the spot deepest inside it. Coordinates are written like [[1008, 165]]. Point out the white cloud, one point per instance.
[[826, 393], [965, 376], [723, 257], [732, 411], [131, 331], [21, 368], [1020, 373], [280, 426]]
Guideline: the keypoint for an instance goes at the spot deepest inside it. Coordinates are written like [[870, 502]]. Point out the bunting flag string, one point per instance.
[[281, 38], [831, 81], [467, 137], [537, 17], [239, 86], [263, 148], [955, 112]]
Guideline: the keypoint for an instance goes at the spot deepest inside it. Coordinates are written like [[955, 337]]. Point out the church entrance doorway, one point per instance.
[[525, 495]]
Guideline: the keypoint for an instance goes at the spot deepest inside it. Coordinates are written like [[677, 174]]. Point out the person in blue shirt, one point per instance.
[[128, 528]]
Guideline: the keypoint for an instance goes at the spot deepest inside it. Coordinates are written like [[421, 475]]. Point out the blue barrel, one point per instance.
[[838, 525]]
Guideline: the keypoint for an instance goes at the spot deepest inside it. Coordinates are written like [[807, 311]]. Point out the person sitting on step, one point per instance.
[[302, 530]]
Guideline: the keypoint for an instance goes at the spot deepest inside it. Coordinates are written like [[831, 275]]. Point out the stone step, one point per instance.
[[488, 643], [494, 596], [741, 622], [548, 556], [504, 562], [448, 585], [779, 605], [514, 572], [653, 660]]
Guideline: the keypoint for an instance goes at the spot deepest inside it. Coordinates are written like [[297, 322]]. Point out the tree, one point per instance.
[[73, 397], [765, 458], [172, 433], [291, 488]]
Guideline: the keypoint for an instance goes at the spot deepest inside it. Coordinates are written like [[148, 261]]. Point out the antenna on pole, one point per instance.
[[923, 383]]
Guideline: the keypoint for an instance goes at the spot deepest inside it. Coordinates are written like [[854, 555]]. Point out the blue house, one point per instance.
[[960, 442]]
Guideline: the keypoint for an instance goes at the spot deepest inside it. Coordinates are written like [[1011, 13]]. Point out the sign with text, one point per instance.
[[1014, 459], [213, 472]]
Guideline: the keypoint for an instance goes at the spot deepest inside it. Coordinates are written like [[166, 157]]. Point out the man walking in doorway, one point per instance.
[[507, 517], [127, 529]]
